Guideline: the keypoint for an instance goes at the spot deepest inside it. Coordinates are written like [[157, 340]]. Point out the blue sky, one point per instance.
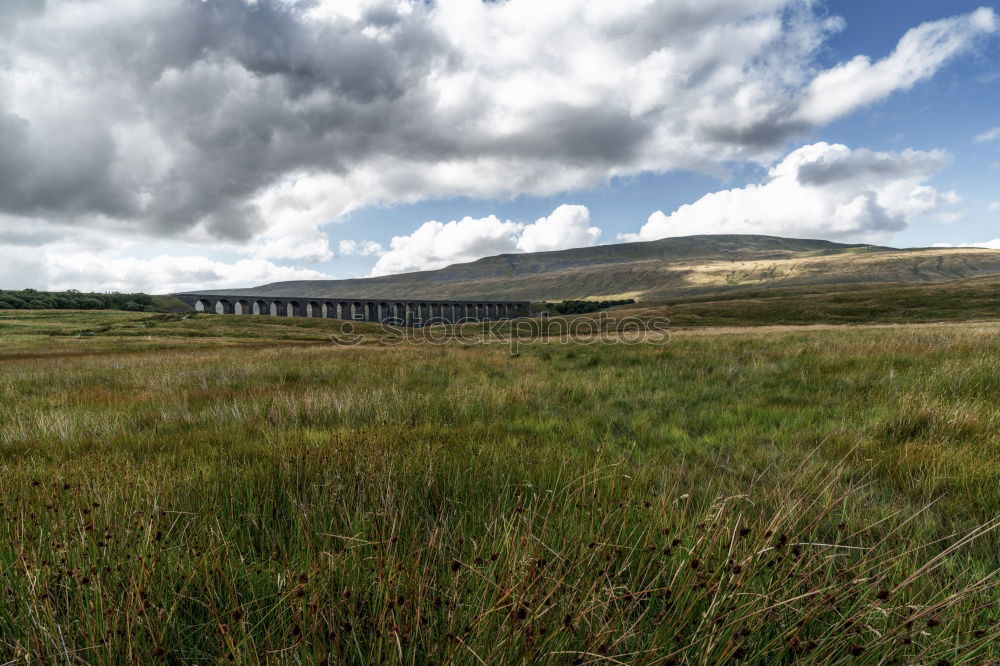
[[232, 143]]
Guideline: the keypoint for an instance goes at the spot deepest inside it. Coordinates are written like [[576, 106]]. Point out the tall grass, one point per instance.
[[815, 497]]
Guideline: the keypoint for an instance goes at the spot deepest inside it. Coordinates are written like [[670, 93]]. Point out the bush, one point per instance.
[[583, 307], [73, 299]]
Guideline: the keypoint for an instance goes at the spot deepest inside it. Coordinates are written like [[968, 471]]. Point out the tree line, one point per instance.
[[71, 299], [583, 307]]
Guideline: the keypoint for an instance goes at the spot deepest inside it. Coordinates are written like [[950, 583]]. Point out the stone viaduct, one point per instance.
[[406, 312]]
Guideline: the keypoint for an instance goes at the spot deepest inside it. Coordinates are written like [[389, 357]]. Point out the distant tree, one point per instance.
[[74, 299], [89, 304], [583, 307], [4, 305]]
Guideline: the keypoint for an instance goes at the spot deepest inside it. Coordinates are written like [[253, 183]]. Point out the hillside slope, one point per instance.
[[659, 270]]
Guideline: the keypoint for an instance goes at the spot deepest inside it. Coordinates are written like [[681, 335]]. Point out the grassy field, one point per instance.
[[234, 489], [958, 300]]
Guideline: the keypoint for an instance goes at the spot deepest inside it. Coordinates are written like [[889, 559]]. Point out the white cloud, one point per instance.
[[258, 122], [362, 248], [89, 271], [988, 135], [568, 226], [919, 54], [436, 245], [989, 245], [994, 206], [309, 248], [820, 190]]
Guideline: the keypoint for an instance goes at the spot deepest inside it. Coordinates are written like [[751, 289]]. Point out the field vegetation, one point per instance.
[[584, 307], [203, 488], [31, 299]]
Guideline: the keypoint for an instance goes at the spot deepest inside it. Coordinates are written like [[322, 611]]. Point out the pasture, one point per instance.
[[222, 489]]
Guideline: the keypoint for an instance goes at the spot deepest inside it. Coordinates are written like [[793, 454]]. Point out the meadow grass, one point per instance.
[[241, 490]]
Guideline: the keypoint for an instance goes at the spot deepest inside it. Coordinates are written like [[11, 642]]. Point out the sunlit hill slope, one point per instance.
[[660, 270]]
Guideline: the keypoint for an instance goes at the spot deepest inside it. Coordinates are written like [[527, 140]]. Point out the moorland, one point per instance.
[[205, 488]]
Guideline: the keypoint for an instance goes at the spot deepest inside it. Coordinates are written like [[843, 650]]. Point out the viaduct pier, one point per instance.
[[399, 312]]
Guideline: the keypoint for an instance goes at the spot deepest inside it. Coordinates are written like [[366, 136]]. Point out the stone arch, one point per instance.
[[329, 310], [223, 306], [260, 308], [294, 309], [203, 305], [276, 309], [313, 309], [241, 307]]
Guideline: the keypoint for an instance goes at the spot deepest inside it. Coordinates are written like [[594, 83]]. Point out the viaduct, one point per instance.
[[403, 312]]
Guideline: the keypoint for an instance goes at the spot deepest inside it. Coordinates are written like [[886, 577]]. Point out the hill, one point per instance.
[[661, 270]]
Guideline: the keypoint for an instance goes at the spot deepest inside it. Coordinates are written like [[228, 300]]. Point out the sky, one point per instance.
[[199, 144]]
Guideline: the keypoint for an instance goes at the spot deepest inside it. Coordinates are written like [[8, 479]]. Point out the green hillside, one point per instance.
[[660, 270]]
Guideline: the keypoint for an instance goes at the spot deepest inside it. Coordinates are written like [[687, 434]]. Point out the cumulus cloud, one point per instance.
[[436, 245], [820, 190], [567, 226], [165, 273], [257, 121], [988, 135]]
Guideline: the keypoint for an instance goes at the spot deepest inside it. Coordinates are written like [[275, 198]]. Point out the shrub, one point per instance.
[[583, 307], [89, 304]]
